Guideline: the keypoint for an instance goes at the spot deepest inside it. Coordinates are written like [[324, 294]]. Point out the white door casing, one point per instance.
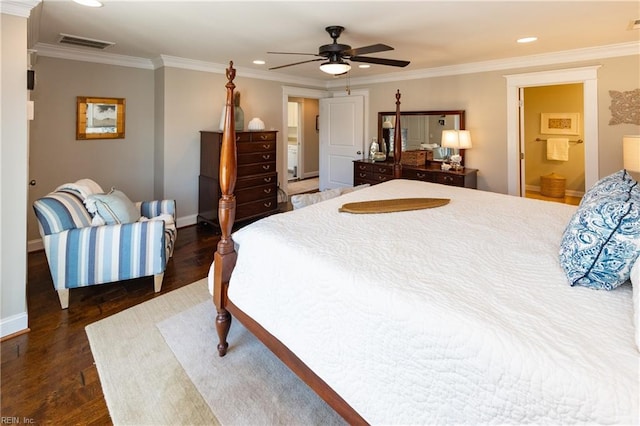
[[586, 75], [341, 139]]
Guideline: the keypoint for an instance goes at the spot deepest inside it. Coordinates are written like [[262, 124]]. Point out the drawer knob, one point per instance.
[[266, 167], [362, 175], [266, 146], [420, 175], [362, 167], [266, 156], [267, 204], [263, 137], [267, 179], [267, 190]]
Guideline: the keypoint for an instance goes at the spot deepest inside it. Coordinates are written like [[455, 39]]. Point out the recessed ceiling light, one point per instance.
[[527, 39], [90, 3], [364, 66], [259, 62]]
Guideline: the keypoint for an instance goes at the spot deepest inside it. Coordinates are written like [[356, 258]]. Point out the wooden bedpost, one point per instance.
[[397, 141], [225, 255]]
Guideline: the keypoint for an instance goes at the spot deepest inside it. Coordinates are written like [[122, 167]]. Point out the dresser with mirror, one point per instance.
[[421, 130]]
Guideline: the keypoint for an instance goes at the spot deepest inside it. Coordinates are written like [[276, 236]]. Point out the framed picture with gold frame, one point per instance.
[[100, 118], [555, 123]]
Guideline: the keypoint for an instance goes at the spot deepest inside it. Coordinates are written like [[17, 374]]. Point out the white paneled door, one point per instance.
[[341, 139]]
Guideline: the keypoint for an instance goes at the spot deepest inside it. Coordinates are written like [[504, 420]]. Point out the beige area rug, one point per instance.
[[158, 365]]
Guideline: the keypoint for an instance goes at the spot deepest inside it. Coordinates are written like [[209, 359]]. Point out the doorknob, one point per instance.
[[359, 152]]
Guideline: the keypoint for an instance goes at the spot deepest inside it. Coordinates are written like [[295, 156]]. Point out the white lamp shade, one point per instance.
[[460, 139], [335, 67], [631, 152]]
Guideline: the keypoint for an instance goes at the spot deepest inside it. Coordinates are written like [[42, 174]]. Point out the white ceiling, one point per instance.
[[430, 34]]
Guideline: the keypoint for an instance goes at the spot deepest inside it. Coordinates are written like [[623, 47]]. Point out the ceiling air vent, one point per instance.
[[84, 42]]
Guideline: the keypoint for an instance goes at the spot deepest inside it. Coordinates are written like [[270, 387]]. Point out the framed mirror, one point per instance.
[[100, 118], [420, 130]]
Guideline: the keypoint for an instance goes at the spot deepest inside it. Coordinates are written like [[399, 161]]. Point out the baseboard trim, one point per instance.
[[14, 325], [35, 245], [568, 192], [183, 221]]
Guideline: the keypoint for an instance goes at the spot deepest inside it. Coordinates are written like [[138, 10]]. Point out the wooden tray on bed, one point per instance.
[[393, 205]]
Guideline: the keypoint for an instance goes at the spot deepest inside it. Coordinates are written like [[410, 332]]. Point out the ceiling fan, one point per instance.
[[335, 55]]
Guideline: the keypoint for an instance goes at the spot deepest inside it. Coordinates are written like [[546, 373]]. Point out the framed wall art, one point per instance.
[[555, 123], [100, 118]]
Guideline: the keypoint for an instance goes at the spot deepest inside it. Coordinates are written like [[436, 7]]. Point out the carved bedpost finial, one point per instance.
[[230, 72], [397, 141]]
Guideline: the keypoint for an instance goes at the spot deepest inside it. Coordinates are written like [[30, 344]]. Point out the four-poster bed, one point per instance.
[[457, 314]]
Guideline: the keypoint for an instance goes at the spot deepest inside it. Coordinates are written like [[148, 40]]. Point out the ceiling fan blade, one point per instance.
[[293, 53], [374, 48], [296, 63], [380, 61]]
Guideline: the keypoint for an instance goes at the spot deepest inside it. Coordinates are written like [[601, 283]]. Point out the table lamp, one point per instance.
[[631, 153], [458, 140]]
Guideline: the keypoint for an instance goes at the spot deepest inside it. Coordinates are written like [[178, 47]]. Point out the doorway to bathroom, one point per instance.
[[302, 139], [553, 142]]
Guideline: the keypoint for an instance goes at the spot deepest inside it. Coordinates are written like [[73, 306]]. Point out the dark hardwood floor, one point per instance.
[[48, 374]]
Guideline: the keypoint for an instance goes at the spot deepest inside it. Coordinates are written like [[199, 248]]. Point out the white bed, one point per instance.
[[457, 314]]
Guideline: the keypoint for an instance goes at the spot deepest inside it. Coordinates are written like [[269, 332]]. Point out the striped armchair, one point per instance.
[[80, 254]]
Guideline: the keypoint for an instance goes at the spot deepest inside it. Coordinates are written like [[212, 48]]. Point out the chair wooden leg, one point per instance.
[[157, 282], [63, 295]]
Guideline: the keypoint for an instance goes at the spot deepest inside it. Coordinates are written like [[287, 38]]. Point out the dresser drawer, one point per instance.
[[256, 193], [450, 179], [377, 177], [257, 157], [362, 167], [256, 147], [380, 169], [256, 169], [256, 181], [257, 208], [255, 136], [415, 174]]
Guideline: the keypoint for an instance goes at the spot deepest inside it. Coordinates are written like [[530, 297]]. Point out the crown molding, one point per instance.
[[562, 57], [195, 65], [20, 8], [63, 52]]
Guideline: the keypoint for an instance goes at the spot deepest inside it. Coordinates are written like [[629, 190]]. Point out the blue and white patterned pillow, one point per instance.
[[602, 240], [615, 185]]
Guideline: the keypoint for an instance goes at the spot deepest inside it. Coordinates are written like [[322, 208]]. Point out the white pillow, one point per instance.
[[635, 283], [304, 200]]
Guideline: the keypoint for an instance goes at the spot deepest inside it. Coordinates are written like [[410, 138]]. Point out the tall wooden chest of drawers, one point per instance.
[[256, 187]]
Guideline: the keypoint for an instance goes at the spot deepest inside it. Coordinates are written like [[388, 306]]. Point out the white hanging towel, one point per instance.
[[558, 149]]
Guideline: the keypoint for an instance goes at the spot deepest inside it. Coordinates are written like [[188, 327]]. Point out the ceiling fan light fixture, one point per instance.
[[90, 3], [335, 68]]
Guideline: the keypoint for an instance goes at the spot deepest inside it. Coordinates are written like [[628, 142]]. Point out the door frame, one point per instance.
[[296, 92], [588, 76]]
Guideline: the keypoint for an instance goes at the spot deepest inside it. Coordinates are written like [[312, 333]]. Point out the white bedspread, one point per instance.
[[458, 314]]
